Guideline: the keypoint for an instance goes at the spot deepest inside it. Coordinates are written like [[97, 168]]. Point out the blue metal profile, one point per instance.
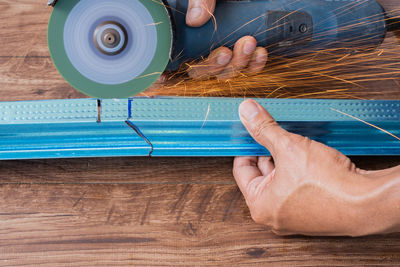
[[186, 127]]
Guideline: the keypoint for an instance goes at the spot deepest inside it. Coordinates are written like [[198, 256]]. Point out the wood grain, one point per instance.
[[183, 224], [136, 211], [26, 70]]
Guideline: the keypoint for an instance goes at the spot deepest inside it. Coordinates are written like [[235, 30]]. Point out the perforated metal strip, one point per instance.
[[220, 109], [211, 126], [186, 127]]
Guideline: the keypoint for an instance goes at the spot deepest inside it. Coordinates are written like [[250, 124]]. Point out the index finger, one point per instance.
[[199, 12], [245, 169]]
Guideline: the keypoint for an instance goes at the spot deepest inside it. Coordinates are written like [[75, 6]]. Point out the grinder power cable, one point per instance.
[[119, 48]]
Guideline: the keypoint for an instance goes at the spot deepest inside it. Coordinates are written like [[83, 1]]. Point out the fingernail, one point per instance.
[[224, 58], [249, 48], [261, 58], [248, 110], [194, 13]]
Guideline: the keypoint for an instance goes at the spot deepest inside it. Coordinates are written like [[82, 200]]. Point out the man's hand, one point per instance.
[[311, 189], [222, 62]]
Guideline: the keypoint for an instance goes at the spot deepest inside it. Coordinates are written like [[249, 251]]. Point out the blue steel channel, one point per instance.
[[186, 127]]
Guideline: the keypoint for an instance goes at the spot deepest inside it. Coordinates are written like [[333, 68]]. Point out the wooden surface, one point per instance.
[[123, 211]]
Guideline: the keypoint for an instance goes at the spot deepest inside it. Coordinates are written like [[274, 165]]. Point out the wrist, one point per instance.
[[377, 209]]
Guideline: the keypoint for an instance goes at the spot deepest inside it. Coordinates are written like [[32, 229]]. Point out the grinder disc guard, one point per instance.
[[110, 48]]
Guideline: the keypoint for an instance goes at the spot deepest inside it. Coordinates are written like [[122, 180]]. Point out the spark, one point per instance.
[[333, 72], [154, 24], [149, 74], [367, 123], [207, 114]]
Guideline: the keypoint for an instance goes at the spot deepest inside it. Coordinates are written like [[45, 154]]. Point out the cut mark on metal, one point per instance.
[[367, 123], [136, 129], [98, 110], [129, 108]]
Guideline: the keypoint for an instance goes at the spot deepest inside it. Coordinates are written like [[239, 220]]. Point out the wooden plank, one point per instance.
[[119, 171], [26, 70], [124, 211], [110, 211], [169, 171], [103, 225]]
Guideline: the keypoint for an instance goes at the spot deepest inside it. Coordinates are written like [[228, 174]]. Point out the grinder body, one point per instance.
[[118, 48], [285, 27]]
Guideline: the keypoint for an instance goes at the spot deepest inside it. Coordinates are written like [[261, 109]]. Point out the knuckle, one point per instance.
[[260, 129], [299, 140], [239, 62], [343, 160], [225, 74], [234, 69], [196, 73], [292, 141]]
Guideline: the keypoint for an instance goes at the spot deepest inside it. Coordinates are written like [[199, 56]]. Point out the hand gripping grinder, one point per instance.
[[119, 48]]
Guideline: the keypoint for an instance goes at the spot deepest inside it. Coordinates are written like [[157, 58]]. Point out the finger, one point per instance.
[[258, 60], [199, 12], [261, 126], [266, 165], [379, 173], [213, 65], [282, 233], [249, 178], [245, 170], [242, 53]]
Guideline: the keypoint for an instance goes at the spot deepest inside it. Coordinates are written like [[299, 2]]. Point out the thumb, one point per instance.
[[199, 12], [261, 126]]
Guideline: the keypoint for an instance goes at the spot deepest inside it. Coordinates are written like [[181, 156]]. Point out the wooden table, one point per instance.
[[122, 211]]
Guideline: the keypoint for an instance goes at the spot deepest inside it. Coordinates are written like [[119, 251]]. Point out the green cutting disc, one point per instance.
[[110, 48]]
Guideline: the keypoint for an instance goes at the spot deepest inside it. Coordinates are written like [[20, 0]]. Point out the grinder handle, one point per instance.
[[285, 27]]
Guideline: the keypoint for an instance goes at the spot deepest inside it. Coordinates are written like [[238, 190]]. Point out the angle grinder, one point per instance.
[[119, 48]]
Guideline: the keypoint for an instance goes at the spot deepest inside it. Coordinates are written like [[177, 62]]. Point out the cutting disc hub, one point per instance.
[[110, 48], [110, 38]]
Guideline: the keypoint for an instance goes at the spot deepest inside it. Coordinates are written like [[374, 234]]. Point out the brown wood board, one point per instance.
[[123, 211]]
